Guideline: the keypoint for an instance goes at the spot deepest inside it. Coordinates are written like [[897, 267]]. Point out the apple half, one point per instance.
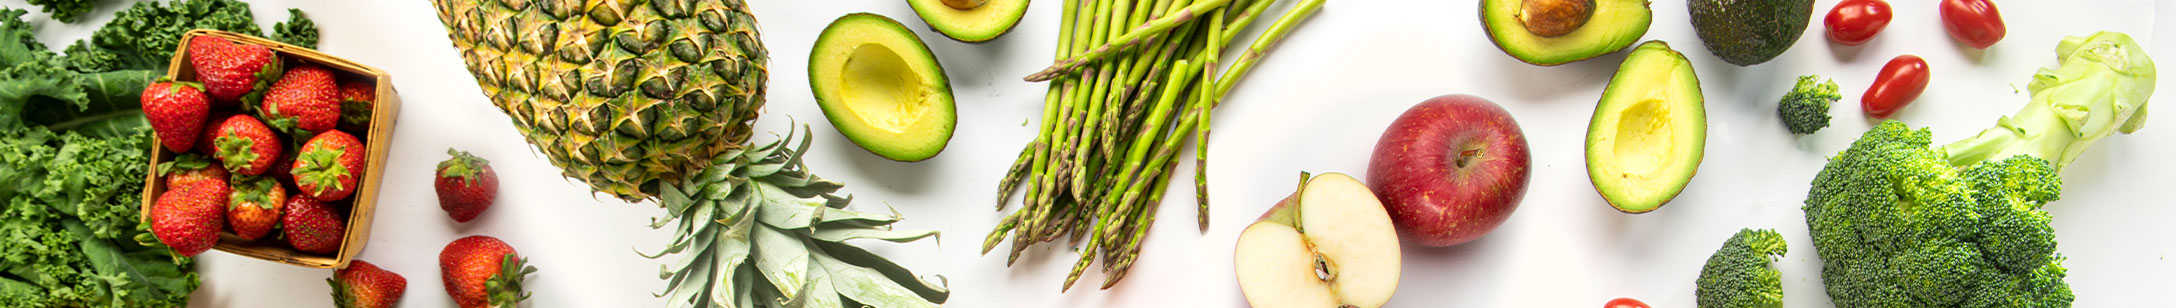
[[1330, 244]]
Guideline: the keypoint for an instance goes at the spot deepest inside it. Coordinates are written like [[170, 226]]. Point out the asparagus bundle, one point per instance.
[[1133, 80]]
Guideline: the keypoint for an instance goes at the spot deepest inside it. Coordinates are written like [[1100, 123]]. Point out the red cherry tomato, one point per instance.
[[1975, 22], [1900, 82], [1854, 22], [1624, 302]]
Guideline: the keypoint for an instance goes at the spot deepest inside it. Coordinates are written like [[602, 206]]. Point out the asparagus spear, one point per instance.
[[1130, 40]]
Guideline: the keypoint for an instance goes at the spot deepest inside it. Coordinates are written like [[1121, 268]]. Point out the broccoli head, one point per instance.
[[1896, 225], [1742, 273], [1805, 109]]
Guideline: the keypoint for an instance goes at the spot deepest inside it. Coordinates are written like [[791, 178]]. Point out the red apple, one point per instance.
[[1450, 169]]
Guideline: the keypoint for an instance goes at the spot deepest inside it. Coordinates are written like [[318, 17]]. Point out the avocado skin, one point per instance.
[[1748, 32]]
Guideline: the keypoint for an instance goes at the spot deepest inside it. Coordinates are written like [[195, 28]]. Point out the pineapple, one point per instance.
[[624, 95], [652, 100]]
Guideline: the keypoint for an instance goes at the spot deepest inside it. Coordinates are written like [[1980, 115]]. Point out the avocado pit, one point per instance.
[[1553, 18]]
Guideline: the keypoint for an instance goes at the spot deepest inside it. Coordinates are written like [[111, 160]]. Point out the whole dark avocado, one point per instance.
[[1748, 32]]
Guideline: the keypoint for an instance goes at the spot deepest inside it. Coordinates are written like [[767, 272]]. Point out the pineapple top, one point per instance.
[[625, 95]]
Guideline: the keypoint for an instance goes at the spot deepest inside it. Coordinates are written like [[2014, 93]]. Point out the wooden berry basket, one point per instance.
[[377, 140]]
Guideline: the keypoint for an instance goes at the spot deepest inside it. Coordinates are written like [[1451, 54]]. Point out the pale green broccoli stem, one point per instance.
[[2100, 87]]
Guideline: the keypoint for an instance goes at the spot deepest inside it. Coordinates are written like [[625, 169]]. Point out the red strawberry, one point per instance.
[[356, 97], [305, 99], [177, 111], [190, 170], [481, 271], [466, 185], [205, 144], [246, 146], [188, 219], [311, 226], [363, 285], [254, 207], [328, 165], [232, 71]]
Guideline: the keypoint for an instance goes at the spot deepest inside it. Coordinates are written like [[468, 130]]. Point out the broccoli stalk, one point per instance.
[[2099, 88], [1742, 274], [1805, 109]]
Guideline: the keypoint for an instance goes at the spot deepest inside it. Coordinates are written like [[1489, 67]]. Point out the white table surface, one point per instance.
[[1317, 104]]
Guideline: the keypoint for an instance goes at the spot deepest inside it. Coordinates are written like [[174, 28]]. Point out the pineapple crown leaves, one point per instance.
[[461, 165], [234, 151], [184, 162], [757, 228], [321, 168], [253, 190], [504, 289]]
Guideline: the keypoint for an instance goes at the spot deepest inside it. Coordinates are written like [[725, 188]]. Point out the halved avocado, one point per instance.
[[972, 21], [881, 87], [1649, 130], [1552, 32]]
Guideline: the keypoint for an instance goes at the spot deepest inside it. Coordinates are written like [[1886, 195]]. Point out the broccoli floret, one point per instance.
[[298, 30], [1805, 109], [1742, 273], [1896, 225]]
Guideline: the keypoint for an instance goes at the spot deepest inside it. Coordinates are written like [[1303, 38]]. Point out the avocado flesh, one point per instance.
[[1614, 25], [1649, 130], [1748, 32], [982, 23], [882, 88]]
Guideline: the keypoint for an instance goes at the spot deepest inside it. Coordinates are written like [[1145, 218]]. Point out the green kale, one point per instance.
[[72, 153], [145, 35], [298, 30], [1805, 109], [68, 11], [1742, 273]]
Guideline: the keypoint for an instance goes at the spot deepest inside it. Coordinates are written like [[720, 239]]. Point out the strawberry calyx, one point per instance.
[[265, 76], [342, 294], [463, 165], [504, 288], [321, 169], [254, 190], [236, 152], [184, 162]]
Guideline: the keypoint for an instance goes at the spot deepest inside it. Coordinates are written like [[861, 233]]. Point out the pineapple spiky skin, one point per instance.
[[625, 95]]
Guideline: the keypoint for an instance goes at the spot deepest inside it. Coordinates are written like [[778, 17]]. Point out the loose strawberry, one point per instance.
[[328, 165], [254, 207], [481, 271], [246, 146], [177, 111], [466, 185], [356, 97], [188, 219], [363, 285], [233, 72], [311, 226], [306, 99], [191, 170]]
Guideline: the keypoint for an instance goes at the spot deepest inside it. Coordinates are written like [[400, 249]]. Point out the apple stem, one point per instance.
[[1466, 157]]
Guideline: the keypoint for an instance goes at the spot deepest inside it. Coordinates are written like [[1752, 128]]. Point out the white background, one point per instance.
[[1317, 104]]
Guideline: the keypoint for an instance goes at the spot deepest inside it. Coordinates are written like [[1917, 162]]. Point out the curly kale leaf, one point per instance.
[[72, 148], [298, 30], [145, 35], [68, 11]]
